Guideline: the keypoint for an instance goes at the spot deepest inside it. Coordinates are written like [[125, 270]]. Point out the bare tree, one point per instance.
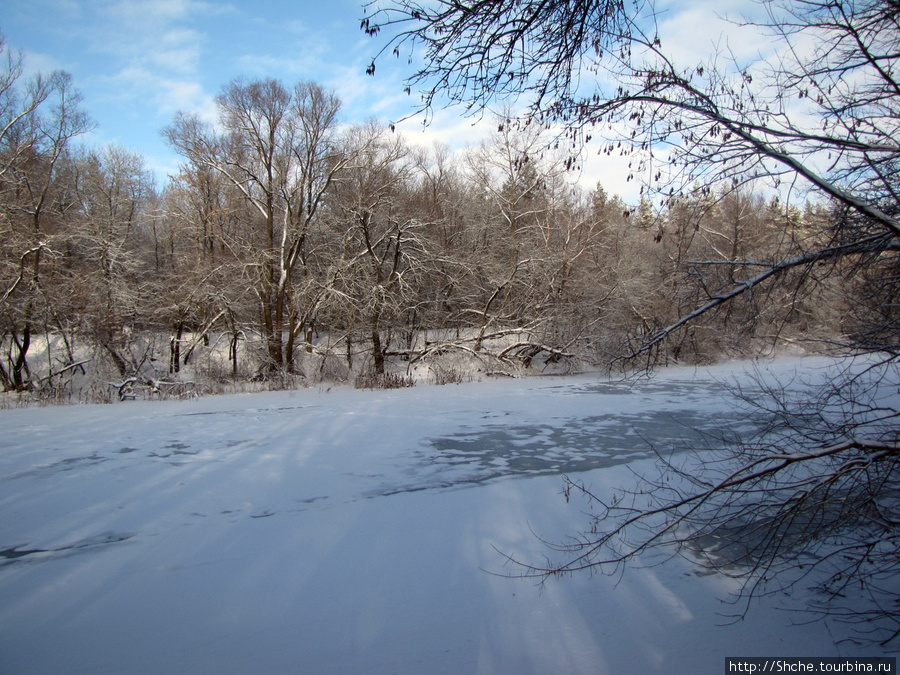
[[198, 250], [38, 119], [442, 204], [516, 178], [382, 242], [278, 151], [112, 289]]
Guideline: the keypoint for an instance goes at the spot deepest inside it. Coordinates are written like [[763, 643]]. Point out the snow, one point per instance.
[[347, 531]]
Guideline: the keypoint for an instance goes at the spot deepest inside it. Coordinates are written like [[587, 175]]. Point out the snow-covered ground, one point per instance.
[[349, 531]]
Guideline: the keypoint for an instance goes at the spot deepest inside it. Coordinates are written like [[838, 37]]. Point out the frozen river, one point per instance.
[[356, 532]]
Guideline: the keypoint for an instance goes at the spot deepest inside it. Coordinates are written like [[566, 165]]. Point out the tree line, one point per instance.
[[304, 247]]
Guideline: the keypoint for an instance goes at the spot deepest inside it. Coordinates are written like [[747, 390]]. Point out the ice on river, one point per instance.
[[355, 532]]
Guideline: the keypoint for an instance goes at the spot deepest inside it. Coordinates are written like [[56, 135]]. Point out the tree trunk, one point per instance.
[[272, 335], [232, 352], [175, 348], [121, 364], [377, 350], [349, 352], [288, 358], [20, 364]]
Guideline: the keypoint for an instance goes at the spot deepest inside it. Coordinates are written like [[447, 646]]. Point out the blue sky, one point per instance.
[[137, 62]]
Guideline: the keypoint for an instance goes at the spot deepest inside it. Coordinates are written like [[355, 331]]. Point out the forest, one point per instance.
[[292, 248]]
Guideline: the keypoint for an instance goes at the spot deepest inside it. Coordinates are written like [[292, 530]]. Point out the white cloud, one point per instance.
[[150, 12], [150, 33], [178, 95], [36, 63], [447, 127], [177, 49], [273, 66], [690, 36], [141, 88]]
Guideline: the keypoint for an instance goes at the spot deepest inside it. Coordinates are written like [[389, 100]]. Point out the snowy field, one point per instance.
[[351, 531]]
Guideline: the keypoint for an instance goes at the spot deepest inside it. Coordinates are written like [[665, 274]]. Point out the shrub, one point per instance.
[[371, 380], [451, 375]]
